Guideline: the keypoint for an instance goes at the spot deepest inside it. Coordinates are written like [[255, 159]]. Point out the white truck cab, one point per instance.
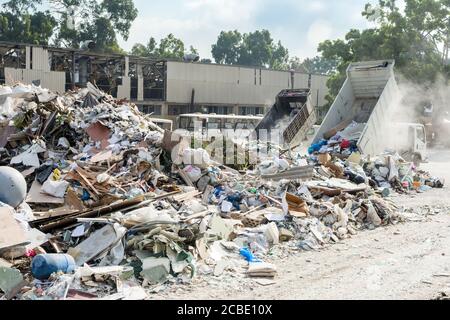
[[409, 140]]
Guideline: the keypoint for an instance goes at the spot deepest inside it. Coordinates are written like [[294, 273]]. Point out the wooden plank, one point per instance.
[[36, 196], [11, 233], [87, 182]]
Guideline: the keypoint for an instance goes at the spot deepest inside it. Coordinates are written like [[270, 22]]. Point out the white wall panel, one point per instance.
[[53, 80], [219, 84]]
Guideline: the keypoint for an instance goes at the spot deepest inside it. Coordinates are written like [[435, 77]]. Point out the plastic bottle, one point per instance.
[[44, 265]]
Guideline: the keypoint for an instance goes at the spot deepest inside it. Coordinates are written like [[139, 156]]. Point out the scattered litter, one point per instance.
[[118, 209]]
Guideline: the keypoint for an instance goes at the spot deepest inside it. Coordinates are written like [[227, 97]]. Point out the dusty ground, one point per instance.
[[404, 261]]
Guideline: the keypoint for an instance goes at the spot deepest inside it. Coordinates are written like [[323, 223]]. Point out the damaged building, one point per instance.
[[163, 88]]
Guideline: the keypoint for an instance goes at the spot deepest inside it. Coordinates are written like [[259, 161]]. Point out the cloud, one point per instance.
[[222, 11], [315, 6], [319, 31], [299, 24]]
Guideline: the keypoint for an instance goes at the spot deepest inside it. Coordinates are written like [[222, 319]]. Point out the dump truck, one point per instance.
[[292, 115], [369, 97]]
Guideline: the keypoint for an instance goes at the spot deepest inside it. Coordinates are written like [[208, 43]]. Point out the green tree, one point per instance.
[[411, 37], [169, 47], [256, 49], [99, 21], [279, 57], [296, 64], [149, 50], [227, 48], [192, 50], [319, 65], [252, 49], [21, 22]]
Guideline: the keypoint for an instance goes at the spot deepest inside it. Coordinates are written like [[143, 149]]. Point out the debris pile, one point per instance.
[[97, 202], [341, 140]]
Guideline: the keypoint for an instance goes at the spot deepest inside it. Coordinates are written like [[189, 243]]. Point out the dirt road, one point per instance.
[[404, 261]]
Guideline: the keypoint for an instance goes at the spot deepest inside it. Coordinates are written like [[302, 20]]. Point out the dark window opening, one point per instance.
[[244, 111], [150, 109], [134, 89], [175, 110], [217, 109]]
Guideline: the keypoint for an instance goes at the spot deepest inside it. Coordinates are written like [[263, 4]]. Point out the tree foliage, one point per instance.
[[99, 21], [19, 21], [414, 38], [68, 23], [316, 65], [169, 47], [253, 49]]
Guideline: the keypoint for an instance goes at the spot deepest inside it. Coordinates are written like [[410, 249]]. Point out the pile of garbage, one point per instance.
[[341, 140], [387, 171], [98, 202]]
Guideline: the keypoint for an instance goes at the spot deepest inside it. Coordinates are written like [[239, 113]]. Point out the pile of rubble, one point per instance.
[[104, 204]]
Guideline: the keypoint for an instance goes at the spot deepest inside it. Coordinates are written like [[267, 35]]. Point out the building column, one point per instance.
[[140, 82], [164, 109], [28, 57], [127, 66], [140, 90]]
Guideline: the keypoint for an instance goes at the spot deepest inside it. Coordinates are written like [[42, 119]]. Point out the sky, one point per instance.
[[300, 24]]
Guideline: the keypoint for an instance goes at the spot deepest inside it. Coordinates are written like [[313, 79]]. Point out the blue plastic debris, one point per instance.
[[246, 253], [317, 146], [235, 199], [86, 196], [218, 191]]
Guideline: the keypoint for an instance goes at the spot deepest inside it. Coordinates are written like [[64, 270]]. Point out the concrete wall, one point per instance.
[[53, 80], [40, 59], [319, 90], [231, 85], [37, 68], [123, 90]]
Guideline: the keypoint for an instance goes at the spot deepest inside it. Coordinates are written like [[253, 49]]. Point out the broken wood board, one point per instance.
[[11, 233], [185, 178], [72, 201], [197, 215], [337, 171], [261, 269], [27, 172], [97, 242], [341, 126], [99, 132], [339, 184], [102, 156], [186, 196], [297, 173], [324, 158], [83, 174], [36, 196], [297, 207]]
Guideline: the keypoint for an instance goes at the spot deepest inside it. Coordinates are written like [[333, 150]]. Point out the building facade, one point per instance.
[[160, 87]]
